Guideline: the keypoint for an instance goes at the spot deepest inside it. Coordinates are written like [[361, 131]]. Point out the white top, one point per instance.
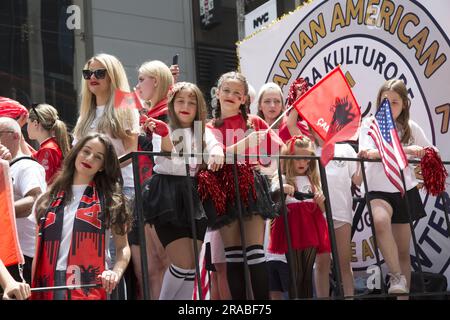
[[302, 184], [376, 177], [27, 174], [339, 178], [127, 171], [269, 255], [69, 217], [176, 165]]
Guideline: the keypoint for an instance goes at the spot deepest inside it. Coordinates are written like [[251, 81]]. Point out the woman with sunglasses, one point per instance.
[[102, 74], [51, 133]]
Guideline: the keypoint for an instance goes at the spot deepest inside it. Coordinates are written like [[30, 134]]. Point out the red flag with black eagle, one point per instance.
[[124, 99], [331, 110]]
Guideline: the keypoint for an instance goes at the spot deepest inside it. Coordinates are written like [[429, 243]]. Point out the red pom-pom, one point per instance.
[[209, 187], [219, 186], [433, 172]]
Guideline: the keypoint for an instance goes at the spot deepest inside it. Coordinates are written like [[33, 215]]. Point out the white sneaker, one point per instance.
[[397, 284]]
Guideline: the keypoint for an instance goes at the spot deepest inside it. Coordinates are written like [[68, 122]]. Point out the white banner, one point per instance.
[[372, 43], [260, 17]]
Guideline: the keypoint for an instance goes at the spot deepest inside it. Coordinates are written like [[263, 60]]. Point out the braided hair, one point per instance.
[[232, 75]]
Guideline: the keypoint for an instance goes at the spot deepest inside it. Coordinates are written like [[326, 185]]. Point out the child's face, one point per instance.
[[396, 102], [301, 165], [231, 95], [271, 105], [185, 107], [98, 86], [90, 159], [146, 87]]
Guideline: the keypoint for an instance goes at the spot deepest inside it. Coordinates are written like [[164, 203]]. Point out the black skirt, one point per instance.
[[166, 200], [262, 205]]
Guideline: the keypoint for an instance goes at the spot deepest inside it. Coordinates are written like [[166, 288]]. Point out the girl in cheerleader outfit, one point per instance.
[[230, 125], [307, 224], [166, 197]]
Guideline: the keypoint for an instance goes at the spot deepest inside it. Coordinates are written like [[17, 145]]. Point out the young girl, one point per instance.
[[75, 217], [271, 104], [166, 194], [51, 133], [307, 224], [154, 81], [229, 125], [388, 206]]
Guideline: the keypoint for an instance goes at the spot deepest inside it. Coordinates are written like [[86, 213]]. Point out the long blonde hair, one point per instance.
[[287, 165], [402, 121], [114, 120], [164, 79], [48, 117]]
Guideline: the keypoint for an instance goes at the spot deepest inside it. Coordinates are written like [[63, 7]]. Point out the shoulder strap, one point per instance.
[[21, 158]]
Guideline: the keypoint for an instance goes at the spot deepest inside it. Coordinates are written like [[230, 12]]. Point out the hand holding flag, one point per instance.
[[331, 110], [383, 132]]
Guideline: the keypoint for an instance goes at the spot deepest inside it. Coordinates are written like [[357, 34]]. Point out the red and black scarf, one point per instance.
[[87, 249]]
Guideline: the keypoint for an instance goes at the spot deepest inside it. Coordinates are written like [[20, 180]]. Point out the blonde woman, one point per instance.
[[45, 127]]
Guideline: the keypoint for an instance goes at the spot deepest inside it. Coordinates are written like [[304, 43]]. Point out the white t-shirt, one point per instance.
[[376, 177], [127, 171], [269, 255], [27, 174], [176, 165], [339, 178]]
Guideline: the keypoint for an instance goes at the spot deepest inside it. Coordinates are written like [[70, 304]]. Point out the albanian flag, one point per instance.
[[10, 252], [331, 111], [124, 99]]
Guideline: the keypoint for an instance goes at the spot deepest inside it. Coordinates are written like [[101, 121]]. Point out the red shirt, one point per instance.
[[50, 157], [234, 129]]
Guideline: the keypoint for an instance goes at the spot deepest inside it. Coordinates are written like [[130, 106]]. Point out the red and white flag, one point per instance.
[[383, 132]]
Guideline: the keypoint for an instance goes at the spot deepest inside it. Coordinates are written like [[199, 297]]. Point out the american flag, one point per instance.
[[383, 132]]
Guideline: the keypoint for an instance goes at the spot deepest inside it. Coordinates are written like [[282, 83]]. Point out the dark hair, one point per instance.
[[108, 181], [232, 75]]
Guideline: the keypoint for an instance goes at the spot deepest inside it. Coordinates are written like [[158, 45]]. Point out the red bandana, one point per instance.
[[158, 110]]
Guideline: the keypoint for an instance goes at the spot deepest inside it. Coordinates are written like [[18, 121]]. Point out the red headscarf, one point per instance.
[[11, 108]]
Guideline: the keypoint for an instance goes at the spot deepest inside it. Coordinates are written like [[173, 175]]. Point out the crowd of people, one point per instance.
[[74, 200]]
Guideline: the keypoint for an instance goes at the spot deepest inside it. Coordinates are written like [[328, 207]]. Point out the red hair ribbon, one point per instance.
[[292, 140]]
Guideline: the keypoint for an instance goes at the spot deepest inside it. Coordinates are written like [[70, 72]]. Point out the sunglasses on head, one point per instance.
[[99, 74], [33, 108]]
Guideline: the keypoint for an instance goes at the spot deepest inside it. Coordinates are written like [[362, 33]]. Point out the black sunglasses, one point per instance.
[[99, 74], [33, 107]]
